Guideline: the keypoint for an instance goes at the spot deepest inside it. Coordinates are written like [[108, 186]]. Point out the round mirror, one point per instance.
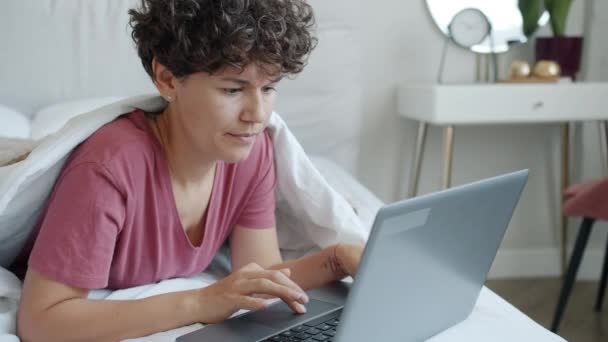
[[504, 16]]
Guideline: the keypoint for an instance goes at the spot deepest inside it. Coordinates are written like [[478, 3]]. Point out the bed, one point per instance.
[[64, 57]]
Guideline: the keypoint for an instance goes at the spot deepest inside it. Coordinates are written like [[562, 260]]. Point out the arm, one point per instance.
[[52, 311], [261, 246], [315, 270]]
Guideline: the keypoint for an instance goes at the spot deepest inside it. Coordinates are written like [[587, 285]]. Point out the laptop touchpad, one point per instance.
[[280, 316]]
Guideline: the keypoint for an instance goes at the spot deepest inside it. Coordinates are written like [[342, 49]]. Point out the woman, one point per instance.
[[152, 196]]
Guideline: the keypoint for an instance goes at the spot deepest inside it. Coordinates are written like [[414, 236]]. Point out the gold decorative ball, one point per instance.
[[519, 69], [547, 69]]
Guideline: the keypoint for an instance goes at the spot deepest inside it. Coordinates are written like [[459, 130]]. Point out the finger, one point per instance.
[[277, 276], [281, 278], [258, 295], [254, 302], [297, 307], [266, 286], [251, 303]]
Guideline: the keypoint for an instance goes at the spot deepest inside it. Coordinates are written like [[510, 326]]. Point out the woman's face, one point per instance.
[[222, 114]]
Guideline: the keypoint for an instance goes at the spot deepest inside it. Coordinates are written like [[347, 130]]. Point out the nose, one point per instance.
[[255, 108]]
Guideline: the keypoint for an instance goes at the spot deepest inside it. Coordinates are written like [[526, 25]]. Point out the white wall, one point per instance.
[[401, 44]]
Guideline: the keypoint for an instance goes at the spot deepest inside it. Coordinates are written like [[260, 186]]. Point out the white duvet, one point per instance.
[[304, 197], [492, 319], [314, 209]]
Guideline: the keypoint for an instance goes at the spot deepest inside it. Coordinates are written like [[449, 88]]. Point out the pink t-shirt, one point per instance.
[[111, 220]]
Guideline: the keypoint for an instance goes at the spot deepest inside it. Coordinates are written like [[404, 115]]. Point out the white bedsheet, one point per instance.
[[493, 319]]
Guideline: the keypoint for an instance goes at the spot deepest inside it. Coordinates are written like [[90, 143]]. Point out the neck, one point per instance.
[[186, 165]]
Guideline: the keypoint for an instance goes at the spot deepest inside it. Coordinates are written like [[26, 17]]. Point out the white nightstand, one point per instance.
[[493, 104]]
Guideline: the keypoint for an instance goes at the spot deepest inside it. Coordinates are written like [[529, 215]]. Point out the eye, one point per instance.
[[232, 91], [269, 89]]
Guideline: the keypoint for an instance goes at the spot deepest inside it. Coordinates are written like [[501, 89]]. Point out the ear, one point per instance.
[[164, 80]]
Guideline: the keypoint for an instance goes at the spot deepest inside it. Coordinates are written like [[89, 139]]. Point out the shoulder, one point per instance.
[[121, 145]]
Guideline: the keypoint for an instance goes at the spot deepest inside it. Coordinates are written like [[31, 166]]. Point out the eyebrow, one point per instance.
[[245, 82]]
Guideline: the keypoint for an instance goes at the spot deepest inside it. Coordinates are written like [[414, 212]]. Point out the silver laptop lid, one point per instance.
[[427, 259]]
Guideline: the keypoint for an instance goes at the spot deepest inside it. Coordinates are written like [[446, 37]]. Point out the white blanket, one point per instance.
[[492, 319], [311, 214]]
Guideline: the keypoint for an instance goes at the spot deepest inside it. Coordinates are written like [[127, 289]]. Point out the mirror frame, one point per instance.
[[503, 38]]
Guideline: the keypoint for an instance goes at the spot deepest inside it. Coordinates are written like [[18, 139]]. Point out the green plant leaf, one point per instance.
[[530, 12], [558, 10]]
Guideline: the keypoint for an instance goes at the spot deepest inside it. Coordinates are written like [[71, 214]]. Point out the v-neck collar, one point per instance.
[[168, 188], [203, 225]]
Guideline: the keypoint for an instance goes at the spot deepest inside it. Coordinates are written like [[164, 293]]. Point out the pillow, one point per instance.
[[49, 120], [13, 124], [25, 185], [364, 203], [13, 150]]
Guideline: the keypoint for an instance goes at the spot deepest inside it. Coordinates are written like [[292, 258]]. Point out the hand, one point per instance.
[[349, 256], [576, 189], [246, 289]]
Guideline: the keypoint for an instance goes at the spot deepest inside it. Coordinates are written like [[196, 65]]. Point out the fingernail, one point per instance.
[[300, 296], [301, 308]]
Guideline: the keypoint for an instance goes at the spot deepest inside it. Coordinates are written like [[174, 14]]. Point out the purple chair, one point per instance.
[[588, 200]]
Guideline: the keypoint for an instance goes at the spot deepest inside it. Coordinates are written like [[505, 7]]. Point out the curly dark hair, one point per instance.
[[189, 36]]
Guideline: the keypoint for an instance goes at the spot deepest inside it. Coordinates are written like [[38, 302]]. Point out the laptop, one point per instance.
[[421, 272]]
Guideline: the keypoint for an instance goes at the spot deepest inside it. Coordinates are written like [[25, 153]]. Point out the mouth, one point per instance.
[[246, 138]]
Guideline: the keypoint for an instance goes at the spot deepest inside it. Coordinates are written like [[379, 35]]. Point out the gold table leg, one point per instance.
[[603, 128], [415, 167], [565, 178], [448, 154]]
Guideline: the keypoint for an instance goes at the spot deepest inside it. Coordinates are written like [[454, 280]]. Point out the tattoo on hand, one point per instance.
[[334, 265]]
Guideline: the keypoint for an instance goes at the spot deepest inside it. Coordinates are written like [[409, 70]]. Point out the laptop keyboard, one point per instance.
[[319, 329]]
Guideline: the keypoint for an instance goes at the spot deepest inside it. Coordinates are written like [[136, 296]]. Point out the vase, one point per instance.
[[566, 51]]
